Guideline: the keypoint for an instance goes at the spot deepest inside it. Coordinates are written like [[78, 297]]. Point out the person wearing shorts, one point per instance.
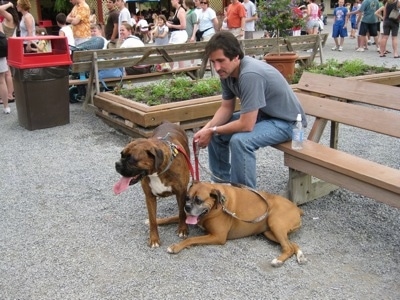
[[368, 23], [339, 28]]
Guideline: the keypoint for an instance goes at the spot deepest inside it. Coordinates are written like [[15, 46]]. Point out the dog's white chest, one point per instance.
[[157, 187]]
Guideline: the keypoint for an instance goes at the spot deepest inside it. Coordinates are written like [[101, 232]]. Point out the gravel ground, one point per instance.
[[64, 235]]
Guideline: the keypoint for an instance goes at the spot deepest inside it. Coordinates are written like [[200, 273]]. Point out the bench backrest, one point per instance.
[[262, 46], [127, 57], [361, 116], [366, 92]]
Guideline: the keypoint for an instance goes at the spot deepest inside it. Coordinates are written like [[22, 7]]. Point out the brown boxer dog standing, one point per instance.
[[163, 170], [227, 212]]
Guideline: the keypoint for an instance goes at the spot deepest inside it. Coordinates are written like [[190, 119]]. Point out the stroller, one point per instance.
[[77, 93]]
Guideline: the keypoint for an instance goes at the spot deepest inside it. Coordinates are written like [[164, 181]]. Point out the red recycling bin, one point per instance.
[[41, 81]]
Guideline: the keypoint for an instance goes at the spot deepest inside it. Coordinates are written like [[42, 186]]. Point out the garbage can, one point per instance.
[[41, 82]]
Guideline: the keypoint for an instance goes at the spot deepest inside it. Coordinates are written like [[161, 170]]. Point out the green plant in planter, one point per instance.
[[279, 16], [172, 90], [347, 68]]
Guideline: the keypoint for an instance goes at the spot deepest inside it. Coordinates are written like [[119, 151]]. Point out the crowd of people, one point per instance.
[[370, 19]]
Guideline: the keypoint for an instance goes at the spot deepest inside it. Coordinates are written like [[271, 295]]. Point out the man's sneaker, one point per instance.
[[7, 110], [340, 48], [335, 48], [360, 49]]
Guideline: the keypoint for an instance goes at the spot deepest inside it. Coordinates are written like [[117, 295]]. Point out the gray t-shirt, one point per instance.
[[261, 87]]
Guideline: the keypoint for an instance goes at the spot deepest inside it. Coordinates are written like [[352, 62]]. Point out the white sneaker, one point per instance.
[[335, 48], [340, 48], [7, 110], [360, 49]]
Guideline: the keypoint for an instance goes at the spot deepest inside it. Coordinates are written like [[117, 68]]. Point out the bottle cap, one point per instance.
[[298, 117]]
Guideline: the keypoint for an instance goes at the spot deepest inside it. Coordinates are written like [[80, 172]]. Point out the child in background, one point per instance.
[[97, 31], [353, 19], [340, 25], [65, 30], [144, 29], [153, 27], [160, 32]]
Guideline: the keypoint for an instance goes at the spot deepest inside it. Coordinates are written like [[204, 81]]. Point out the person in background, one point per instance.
[[10, 27], [192, 22], [208, 22], [339, 28], [143, 26], [313, 17], [251, 18], [128, 39], [266, 117], [124, 15], [3, 84], [160, 32], [92, 17], [27, 23], [79, 19], [111, 28], [177, 27], [236, 18], [96, 31], [353, 19], [65, 30], [224, 25], [389, 27], [153, 26], [368, 24]]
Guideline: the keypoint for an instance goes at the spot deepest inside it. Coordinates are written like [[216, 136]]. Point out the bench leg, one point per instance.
[[302, 188]]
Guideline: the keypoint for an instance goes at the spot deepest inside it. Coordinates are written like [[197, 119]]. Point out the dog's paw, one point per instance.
[[183, 234], [154, 245], [172, 249], [276, 263], [301, 259]]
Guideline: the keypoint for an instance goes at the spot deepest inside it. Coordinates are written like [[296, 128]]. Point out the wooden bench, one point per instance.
[[299, 44], [372, 108], [93, 60]]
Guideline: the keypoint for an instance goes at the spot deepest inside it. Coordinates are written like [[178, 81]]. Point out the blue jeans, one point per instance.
[[232, 157]]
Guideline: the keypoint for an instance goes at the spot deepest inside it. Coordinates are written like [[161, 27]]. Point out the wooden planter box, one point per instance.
[[139, 120]]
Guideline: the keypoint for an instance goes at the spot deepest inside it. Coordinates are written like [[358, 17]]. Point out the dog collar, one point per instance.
[[174, 152]]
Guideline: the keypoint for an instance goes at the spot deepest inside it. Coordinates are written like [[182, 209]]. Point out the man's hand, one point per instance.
[[203, 137]]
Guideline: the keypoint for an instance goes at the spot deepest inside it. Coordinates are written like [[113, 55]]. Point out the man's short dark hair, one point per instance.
[[227, 42], [61, 18]]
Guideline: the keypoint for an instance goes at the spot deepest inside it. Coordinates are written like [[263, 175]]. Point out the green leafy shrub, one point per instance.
[[347, 68], [172, 90]]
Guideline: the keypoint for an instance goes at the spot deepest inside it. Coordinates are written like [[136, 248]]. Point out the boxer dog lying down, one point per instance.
[[227, 212], [161, 167]]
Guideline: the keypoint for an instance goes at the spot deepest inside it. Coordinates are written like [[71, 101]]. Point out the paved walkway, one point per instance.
[[370, 57]]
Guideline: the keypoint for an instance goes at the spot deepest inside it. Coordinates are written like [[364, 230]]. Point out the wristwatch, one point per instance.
[[214, 130]]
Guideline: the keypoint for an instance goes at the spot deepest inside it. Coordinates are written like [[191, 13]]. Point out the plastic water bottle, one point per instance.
[[298, 134]]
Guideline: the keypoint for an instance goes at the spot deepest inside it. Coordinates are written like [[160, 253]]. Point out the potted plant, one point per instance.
[[278, 17]]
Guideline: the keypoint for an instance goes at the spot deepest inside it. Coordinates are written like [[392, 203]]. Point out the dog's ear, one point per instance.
[[158, 157], [216, 194]]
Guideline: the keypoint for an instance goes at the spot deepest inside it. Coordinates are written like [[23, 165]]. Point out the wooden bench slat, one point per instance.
[[383, 95], [345, 170], [381, 121]]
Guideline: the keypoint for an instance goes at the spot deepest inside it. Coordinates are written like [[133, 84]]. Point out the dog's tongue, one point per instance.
[[192, 220], [122, 185]]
